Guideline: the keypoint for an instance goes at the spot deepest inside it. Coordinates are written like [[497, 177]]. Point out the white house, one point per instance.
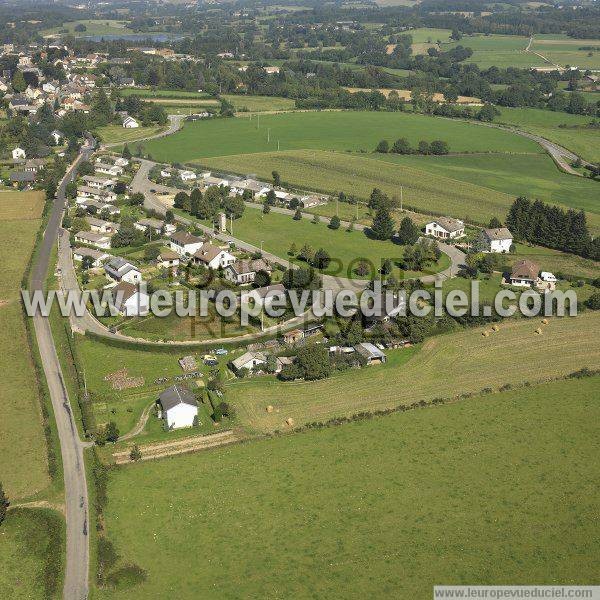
[[100, 183], [495, 240], [99, 240], [130, 123], [445, 228], [187, 175], [57, 136], [121, 162], [213, 256], [248, 360], [156, 225], [167, 259], [178, 407], [121, 270], [112, 170], [184, 243], [244, 271], [102, 195], [101, 226], [264, 296], [129, 300], [97, 256], [18, 153], [524, 273]]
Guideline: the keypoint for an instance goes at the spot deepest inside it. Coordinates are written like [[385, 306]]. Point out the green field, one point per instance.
[[333, 130], [113, 134], [279, 231], [499, 50], [564, 51], [31, 554], [93, 27], [259, 103], [583, 141], [446, 365], [457, 494], [24, 469]]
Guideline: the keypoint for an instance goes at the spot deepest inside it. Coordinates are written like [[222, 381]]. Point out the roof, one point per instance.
[[525, 269], [241, 267], [245, 358], [166, 254], [207, 252], [183, 238], [268, 289], [369, 350], [154, 223], [125, 290], [91, 252], [176, 395], [120, 266], [22, 176], [449, 224], [500, 233], [90, 235]]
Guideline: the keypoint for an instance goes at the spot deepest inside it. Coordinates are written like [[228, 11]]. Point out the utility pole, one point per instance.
[[337, 202], [268, 135], [401, 198], [278, 145], [258, 119]]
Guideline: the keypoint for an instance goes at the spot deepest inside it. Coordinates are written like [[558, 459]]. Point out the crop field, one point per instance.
[[31, 554], [475, 193], [467, 488], [259, 103], [331, 130], [575, 136], [465, 361], [93, 27], [22, 443], [534, 176], [113, 134], [279, 231]]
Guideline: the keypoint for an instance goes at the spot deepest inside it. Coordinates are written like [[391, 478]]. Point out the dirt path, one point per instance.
[[139, 426]]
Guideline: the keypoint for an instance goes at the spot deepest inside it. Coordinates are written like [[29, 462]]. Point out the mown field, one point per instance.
[[498, 50], [584, 141], [482, 491], [31, 554], [24, 468], [113, 134], [93, 27], [278, 231], [446, 365], [564, 51], [259, 103], [473, 187], [333, 130]]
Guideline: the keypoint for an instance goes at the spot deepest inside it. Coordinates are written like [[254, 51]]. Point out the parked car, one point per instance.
[[221, 351]]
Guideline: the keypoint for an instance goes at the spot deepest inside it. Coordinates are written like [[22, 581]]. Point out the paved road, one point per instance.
[[76, 496], [174, 124]]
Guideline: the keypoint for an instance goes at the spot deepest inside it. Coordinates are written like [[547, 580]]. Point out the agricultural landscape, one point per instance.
[[213, 199]]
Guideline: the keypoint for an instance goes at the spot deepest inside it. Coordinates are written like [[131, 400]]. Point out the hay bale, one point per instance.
[[544, 321], [289, 421], [485, 333], [270, 409], [495, 327], [538, 331]]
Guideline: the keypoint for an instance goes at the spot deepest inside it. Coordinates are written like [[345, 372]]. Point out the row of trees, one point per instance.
[[402, 146], [207, 205], [553, 227]]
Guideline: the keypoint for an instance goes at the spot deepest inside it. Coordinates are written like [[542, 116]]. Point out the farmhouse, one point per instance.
[[445, 228], [248, 360], [212, 256], [120, 270], [495, 240], [129, 300], [244, 271], [97, 256], [184, 243], [98, 240], [255, 187], [178, 407], [371, 353], [524, 273]]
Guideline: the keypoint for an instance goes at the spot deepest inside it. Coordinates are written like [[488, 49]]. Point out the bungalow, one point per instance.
[[257, 188], [311, 200], [445, 228], [155, 225], [524, 273], [98, 240], [371, 353], [120, 270], [33, 165], [100, 183], [248, 360], [211, 181], [97, 256], [130, 123], [112, 170], [244, 271], [18, 152], [84, 191], [264, 296], [187, 175], [213, 257], [22, 177], [184, 243], [178, 407], [495, 240], [88, 203], [167, 259], [129, 300], [121, 162], [102, 226]]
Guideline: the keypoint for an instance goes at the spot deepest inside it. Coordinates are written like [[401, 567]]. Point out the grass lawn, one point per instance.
[[489, 490], [279, 231], [472, 187], [22, 442], [534, 176], [465, 361], [31, 554], [331, 130], [583, 141], [259, 103], [112, 134]]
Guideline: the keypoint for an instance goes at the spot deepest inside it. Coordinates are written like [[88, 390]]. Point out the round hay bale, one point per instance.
[[290, 422], [539, 331], [485, 334], [270, 409], [544, 321], [495, 327]]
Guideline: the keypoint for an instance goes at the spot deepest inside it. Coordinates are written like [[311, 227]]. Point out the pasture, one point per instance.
[[93, 27], [278, 231], [114, 134], [464, 361], [24, 469], [356, 131], [481, 490], [565, 51], [498, 50], [473, 187]]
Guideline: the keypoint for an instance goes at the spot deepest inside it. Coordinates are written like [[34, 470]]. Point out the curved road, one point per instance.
[[174, 125], [71, 447]]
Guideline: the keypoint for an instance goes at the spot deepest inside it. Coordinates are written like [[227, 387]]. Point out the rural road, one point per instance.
[[76, 495], [174, 124]]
